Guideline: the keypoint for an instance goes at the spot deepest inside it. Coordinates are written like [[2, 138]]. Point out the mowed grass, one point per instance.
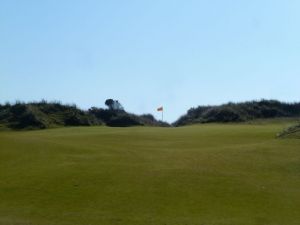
[[194, 175]]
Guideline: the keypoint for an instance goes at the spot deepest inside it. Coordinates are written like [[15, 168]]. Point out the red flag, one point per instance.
[[160, 109]]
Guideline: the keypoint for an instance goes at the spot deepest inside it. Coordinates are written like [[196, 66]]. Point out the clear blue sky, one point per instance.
[[149, 53]]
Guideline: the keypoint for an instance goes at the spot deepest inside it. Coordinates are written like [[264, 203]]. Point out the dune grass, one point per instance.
[[195, 175]]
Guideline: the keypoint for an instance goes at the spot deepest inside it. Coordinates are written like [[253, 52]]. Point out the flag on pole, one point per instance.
[[160, 109]]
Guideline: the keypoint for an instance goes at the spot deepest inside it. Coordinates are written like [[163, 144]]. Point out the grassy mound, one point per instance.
[[41, 115], [239, 112], [291, 132], [121, 118]]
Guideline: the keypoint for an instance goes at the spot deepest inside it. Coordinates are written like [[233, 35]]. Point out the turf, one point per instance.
[[195, 175]]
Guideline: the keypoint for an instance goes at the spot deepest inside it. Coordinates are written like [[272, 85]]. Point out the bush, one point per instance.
[[123, 121]]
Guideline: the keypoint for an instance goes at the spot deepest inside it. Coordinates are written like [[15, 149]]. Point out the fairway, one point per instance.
[[194, 175]]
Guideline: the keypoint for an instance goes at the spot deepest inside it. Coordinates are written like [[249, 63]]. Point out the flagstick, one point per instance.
[[162, 115]]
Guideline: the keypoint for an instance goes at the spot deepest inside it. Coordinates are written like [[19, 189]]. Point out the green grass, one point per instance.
[[195, 175]]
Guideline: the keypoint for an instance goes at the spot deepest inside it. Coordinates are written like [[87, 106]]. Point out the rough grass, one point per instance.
[[291, 132], [195, 175]]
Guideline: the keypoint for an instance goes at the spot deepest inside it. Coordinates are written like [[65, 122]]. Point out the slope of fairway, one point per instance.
[[195, 175], [291, 132]]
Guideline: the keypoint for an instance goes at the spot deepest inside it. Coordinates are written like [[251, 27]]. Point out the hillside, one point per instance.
[[121, 118], [239, 112], [41, 115]]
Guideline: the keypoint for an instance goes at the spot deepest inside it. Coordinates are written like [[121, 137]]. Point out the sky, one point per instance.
[[150, 53]]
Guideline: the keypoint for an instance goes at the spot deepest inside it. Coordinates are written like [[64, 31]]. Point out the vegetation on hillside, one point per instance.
[[41, 115], [239, 112], [121, 118]]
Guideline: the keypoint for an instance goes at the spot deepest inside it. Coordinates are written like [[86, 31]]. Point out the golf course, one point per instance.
[[208, 174]]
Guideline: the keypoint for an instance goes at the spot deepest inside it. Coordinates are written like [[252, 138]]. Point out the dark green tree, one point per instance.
[[109, 103]]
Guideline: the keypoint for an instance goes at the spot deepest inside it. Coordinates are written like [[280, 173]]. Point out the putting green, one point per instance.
[[194, 175]]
